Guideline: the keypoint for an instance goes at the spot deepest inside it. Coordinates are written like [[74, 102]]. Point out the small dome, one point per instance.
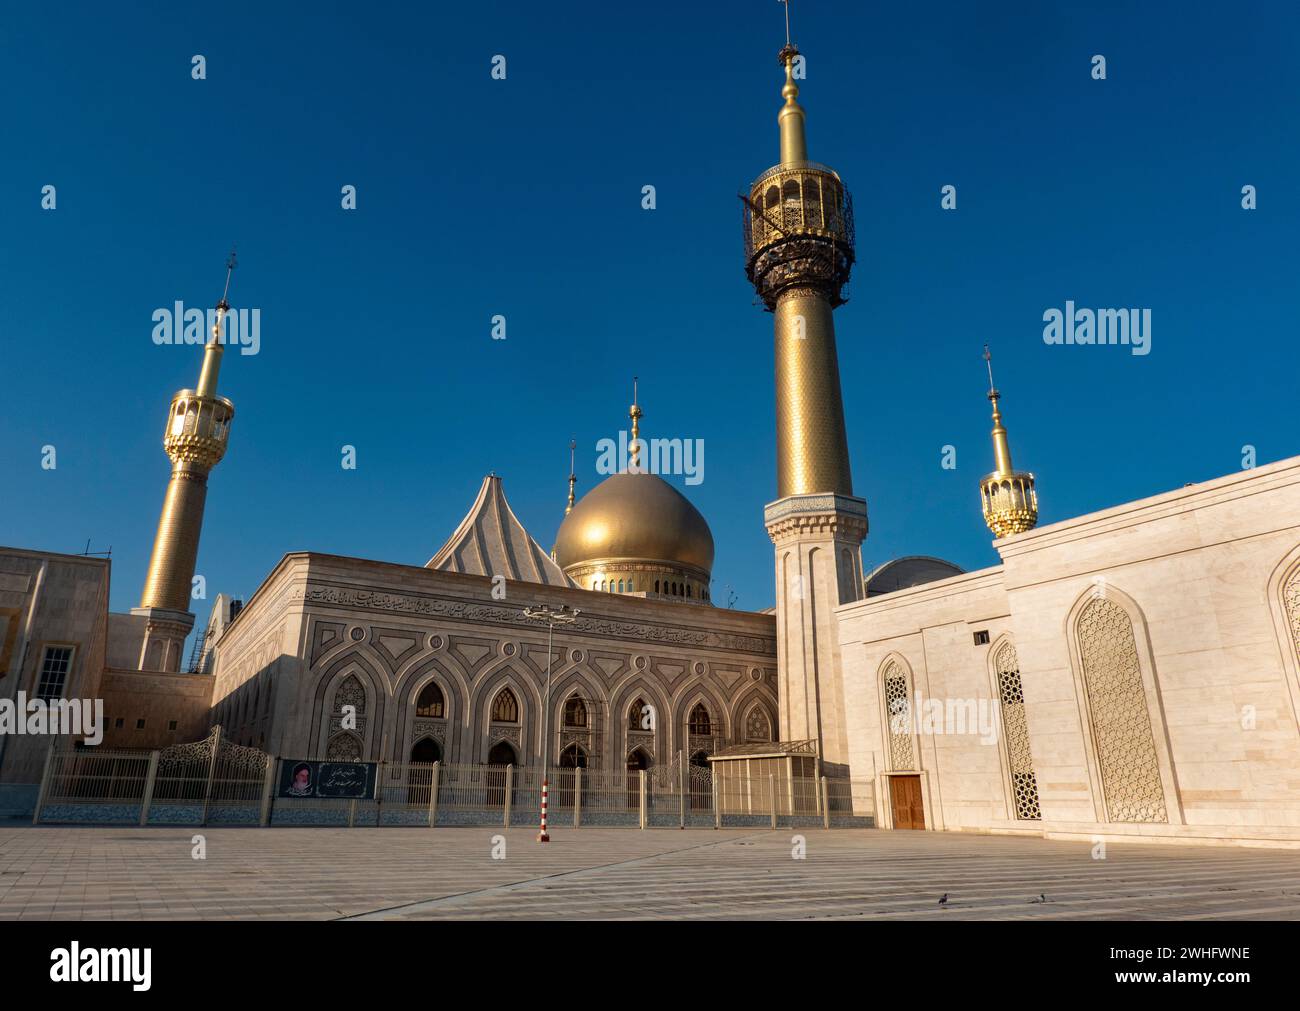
[[635, 517], [908, 571]]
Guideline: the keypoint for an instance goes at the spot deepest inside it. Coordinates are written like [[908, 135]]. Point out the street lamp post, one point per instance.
[[564, 615]]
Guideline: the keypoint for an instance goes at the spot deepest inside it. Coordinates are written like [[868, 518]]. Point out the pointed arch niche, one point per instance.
[[1119, 702], [1284, 596], [897, 720], [1022, 783]]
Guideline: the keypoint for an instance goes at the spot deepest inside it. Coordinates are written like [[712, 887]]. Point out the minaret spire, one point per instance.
[[195, 437], [794, 146], [1009, 497], [216, 345], [635, 412], [573, 476]]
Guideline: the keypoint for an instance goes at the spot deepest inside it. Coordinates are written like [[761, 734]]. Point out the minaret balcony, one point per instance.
[[798, 224], [198, 429], [1010, 503]]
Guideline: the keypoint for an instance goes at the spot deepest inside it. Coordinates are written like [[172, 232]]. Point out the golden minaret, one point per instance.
[[195, 438], [799, 252], [1009, 496]]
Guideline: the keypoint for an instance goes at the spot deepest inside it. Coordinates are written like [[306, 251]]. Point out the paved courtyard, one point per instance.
[[450, 873]]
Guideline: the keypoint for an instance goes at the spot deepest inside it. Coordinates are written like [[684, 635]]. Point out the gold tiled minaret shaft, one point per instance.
[[1009, 496], [799, 252], [195, 438]]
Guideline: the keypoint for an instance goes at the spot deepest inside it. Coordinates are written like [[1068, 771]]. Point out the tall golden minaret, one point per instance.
[[799, 252], [1009, 496], [198, 426]]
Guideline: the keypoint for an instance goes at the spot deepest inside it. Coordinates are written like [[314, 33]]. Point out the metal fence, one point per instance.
[[214, 783]]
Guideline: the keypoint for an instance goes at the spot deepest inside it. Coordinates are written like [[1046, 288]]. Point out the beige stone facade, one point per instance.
[[1139, 665], [325, 631]]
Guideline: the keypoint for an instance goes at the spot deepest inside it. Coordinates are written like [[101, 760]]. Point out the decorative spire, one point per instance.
[[1009, 496], [212, 353], [573, 476], [1001, 450], [635, 412], [794, 146]]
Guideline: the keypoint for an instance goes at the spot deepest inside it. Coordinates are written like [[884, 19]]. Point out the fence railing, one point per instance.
[[225, 785]]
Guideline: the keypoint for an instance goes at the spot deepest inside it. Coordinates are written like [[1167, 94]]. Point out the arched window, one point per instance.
[[575, 712], [430, 702], [1015, 732], [898, 718], [503, 753], [573, 757], [351, 693], [620, 586], [426, 750], [505, 708], [812, 201], [637, 716], [792, 211], [700, 723], [656, 586], [757, 725], [1121, 722]]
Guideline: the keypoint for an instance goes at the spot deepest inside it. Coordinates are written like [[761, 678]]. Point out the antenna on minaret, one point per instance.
[[988, 360], [787, 19], [231, 264]]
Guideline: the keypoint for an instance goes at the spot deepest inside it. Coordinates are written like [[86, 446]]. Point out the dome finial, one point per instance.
[[573, 476], [635, 412], [1010, 497]]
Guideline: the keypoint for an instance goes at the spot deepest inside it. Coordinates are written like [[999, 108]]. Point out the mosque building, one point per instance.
[[1132, 673]]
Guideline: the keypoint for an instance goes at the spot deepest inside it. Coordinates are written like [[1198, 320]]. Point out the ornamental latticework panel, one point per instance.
[[1121, 723], [1015, 730], [898, 708], [757, 726], [350, 693], [343, 748], [1291, 602]]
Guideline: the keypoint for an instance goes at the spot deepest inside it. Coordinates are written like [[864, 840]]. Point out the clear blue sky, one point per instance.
[[522, 197]]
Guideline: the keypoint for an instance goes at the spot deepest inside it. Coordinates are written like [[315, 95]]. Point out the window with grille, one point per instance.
[[575, 712], [1016, 733], [898, 717], [55, 665], [505, 709], [982, 638], [700, 722]]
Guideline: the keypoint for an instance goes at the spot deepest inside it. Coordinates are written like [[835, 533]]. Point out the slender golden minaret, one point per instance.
[[198, 426], [1009, 495], [799, 252]]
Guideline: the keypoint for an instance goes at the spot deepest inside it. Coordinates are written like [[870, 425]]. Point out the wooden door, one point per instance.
[[905, 800]]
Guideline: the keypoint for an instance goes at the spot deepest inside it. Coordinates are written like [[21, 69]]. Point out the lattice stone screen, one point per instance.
[[1015, 728], [898, 716], [1291, 603], [1121, 725]]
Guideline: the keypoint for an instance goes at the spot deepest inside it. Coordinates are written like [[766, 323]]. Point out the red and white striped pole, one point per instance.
[[542, 836]]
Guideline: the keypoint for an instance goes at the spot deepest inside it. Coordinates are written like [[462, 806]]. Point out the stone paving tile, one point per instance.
[[593, 873]]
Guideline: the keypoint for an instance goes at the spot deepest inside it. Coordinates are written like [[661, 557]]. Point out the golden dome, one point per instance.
[[635, 517]]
